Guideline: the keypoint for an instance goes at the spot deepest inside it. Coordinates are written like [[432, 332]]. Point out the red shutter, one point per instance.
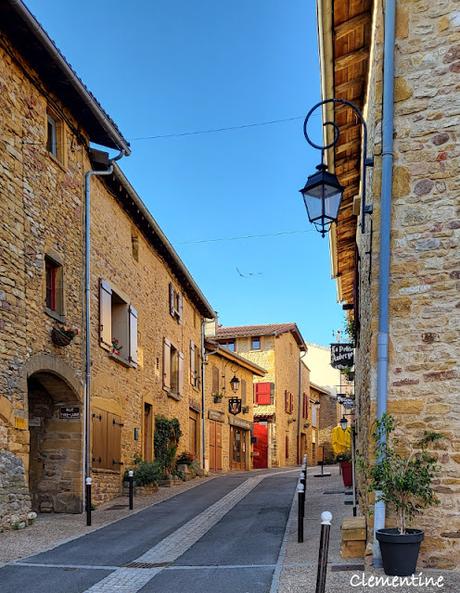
[[262, 393]]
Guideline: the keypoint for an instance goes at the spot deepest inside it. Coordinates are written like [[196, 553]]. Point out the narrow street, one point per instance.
[[221, 536]]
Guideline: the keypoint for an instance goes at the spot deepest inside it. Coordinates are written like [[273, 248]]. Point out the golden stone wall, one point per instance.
[[219, 410], [423, 380]]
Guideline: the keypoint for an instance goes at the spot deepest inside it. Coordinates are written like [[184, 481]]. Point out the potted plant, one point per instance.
[[402, 474], [116, 347], [217, 397], [344, 460]]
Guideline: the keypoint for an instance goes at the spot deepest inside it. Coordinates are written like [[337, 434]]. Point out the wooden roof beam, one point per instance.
[[347, 27], [351, 58]]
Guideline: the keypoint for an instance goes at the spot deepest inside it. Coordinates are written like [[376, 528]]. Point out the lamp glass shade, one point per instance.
[[322, 195], [235, 383], [343, 423]]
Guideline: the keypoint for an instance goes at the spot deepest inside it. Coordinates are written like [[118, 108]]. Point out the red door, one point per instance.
[[260, 458]]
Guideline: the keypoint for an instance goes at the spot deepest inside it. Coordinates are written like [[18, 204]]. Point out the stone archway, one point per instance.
[[55, 427]]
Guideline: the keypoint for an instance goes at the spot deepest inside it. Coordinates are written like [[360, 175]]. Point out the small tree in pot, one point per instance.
[[404, 481]]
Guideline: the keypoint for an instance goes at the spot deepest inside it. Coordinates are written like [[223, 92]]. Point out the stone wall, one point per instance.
[[227, 369], [14, 494], [423, 380], [327, 421]]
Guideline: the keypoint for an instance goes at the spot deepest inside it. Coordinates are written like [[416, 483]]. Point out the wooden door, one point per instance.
[[237, 448], [215, 446], [260, 457], [148, 432]]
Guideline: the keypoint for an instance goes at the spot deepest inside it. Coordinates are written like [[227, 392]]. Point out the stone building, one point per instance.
[[281, 396], [411, 238], [229, 436], [146, 310]]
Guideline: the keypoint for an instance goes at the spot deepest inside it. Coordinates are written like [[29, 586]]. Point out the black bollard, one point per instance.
[[88, 500], [131, 489], [300, 513], [326, 518], [304, 471]]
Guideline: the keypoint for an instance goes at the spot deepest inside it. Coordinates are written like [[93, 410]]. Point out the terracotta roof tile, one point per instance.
[[271, 329]]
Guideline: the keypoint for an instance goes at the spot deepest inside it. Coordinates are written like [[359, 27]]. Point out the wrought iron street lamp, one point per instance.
[[234, 383], [323, 192], [343, 423]]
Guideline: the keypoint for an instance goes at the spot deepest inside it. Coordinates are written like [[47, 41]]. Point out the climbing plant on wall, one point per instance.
[[166, 440]]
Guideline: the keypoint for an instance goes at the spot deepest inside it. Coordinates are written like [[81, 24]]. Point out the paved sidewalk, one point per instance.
[[298, 562]]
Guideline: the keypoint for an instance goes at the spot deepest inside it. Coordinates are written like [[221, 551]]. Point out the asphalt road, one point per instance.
[[237, 554]]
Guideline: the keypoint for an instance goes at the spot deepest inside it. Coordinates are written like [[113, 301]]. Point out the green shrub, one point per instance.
[[343, 457], [403, 479], [166, 440], [146, 472]]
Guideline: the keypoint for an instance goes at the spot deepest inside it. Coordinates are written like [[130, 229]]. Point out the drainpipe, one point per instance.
[[299, 413], [385, 232], [87, 391], [203, 397]]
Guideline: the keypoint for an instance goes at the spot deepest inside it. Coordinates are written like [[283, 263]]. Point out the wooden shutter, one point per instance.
[[105, 313], [218, 446], [287, 446], [132, 334], [263, 393], [166, 364], [114, 426], [180, 387], [180, 310], [291, 403], [172, 308], [243, 392], [99, 437], [192, 363], [286, 401], [215, 379]]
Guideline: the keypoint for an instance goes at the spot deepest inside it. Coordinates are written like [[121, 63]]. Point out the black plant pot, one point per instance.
[[399, 552]]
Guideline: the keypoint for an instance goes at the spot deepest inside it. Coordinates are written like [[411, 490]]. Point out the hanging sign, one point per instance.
[[342, 356], [234, 405], [69, 413], [346, 402]]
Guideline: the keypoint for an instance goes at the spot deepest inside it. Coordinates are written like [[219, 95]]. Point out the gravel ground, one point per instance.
[[50, 530], [300, 561]]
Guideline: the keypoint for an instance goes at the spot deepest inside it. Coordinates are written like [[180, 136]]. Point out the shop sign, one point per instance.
[[342, 356], [69, 413], [234, 405]]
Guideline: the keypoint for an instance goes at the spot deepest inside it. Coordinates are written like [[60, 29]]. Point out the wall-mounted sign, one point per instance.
[[342, 356], [69, 413], [346, 402], [234, 405]]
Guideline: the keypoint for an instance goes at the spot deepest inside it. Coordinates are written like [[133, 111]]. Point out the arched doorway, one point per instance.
[[55, 426]]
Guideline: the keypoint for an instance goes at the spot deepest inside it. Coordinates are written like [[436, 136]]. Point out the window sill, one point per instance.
[[54, 315], [121, 361], [174, 395], [56, 161]]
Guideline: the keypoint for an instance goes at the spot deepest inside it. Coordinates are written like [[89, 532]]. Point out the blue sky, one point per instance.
[[172, 66]]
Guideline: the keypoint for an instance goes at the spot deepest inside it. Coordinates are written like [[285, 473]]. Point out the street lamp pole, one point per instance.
[[365, 160]]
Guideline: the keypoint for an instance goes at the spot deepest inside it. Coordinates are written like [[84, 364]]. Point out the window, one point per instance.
[[106, 433], [255, 343], [54, 299], [288, 402], [173, 370], [118, 324], [54, 139], [176, 303], [215, 380], [230, 345], [135, 245], [264, 393], [314, 415], [195, 365]]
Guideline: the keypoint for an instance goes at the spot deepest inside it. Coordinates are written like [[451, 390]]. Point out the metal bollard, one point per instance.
[[304, 471], [326, 518], [88, 500], [300, 512], [131, 489]]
